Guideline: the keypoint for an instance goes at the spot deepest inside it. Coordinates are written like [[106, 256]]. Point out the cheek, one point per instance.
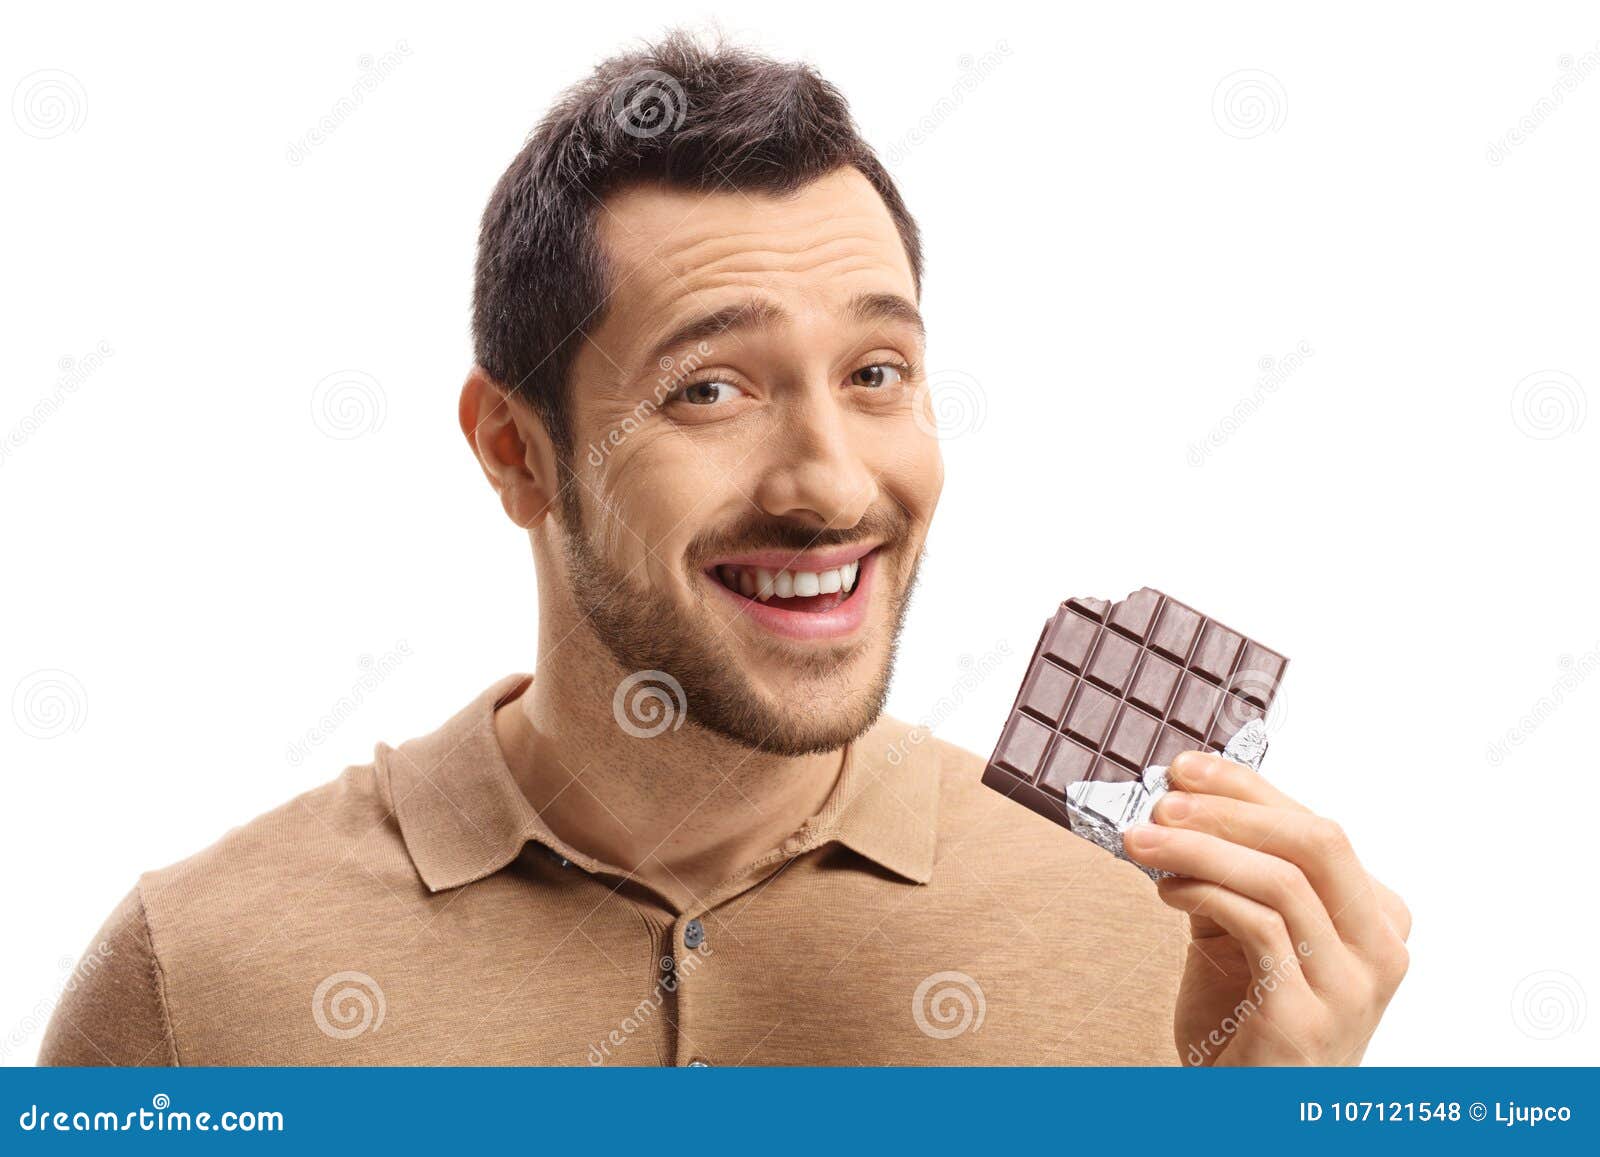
[[648, 497], [912, 471]]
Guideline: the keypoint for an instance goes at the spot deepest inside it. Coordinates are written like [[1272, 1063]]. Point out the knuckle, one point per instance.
[[1268, 928], [1393, 962], [1286, 881], [1329, 839]]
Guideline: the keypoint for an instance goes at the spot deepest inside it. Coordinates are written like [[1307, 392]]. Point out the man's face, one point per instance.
[[753, 468]]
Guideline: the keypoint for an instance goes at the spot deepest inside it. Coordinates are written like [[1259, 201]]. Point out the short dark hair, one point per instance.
[[679, 112]]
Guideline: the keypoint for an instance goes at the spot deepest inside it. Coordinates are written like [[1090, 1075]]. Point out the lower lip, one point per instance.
[[844, 619]]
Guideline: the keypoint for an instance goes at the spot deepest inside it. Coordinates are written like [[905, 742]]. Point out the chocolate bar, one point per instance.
[[1113, 692]]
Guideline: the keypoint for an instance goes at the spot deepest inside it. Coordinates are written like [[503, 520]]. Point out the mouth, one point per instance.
[[807, 595]]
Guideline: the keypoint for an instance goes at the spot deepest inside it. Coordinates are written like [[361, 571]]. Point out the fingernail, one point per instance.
[[1143, 836], [1175, 805], [1187, 763]]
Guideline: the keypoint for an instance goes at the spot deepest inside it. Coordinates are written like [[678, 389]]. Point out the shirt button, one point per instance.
[[694, 934], [698, 1064]]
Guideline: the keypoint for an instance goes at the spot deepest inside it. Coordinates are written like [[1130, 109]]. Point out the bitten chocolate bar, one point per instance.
[[1114, 690]]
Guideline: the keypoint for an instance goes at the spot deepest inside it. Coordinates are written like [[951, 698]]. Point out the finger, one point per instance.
[[1203, 772], [1394, 909], [1317, 846], [1268, 880], [1259, 930]]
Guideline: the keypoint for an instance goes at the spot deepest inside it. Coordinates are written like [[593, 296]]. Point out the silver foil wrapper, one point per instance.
[[1101, 812]]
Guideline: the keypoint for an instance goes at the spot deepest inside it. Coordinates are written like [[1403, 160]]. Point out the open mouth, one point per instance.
[[798, 595], [792, 590]]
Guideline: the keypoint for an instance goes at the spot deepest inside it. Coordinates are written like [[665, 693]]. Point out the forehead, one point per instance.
[[671, 249]]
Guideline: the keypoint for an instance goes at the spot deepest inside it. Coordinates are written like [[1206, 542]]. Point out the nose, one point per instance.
[[818, 474]]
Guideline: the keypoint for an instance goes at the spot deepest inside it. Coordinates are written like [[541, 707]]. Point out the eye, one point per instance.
[[709, 393], [878, 375]]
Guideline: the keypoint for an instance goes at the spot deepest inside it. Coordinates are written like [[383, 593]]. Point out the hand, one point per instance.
[[1294, 950]]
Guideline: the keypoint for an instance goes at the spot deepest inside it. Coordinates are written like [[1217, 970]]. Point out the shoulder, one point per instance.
[[265, 864], [238, 904], [113, 1009], [198, 935]]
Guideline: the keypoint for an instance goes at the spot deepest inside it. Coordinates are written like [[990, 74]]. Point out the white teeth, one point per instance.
[[754, 582]]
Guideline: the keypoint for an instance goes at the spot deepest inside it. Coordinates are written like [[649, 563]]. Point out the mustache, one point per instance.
[[889, 525]]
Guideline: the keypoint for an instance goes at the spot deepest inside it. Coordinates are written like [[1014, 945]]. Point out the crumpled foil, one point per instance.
[[1102, 811]]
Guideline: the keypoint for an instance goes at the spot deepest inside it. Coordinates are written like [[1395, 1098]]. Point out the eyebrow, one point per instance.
[[759, 313]]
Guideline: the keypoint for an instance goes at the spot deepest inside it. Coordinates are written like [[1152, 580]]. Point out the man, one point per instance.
[[690, 837]]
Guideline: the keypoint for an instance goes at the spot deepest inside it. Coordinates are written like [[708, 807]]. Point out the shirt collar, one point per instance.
[[463, 817]]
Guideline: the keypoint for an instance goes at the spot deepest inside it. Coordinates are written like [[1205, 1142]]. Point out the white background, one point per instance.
[[201, 566]]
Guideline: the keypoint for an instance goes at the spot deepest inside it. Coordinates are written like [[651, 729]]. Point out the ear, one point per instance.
[[513, 447]]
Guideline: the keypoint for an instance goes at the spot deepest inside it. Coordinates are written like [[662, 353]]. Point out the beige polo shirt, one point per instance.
[[417, 911]]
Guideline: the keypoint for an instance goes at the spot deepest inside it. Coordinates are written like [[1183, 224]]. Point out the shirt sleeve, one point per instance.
[[114, 1011]]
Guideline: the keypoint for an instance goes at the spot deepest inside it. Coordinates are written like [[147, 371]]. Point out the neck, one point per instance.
[[681, 811]]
